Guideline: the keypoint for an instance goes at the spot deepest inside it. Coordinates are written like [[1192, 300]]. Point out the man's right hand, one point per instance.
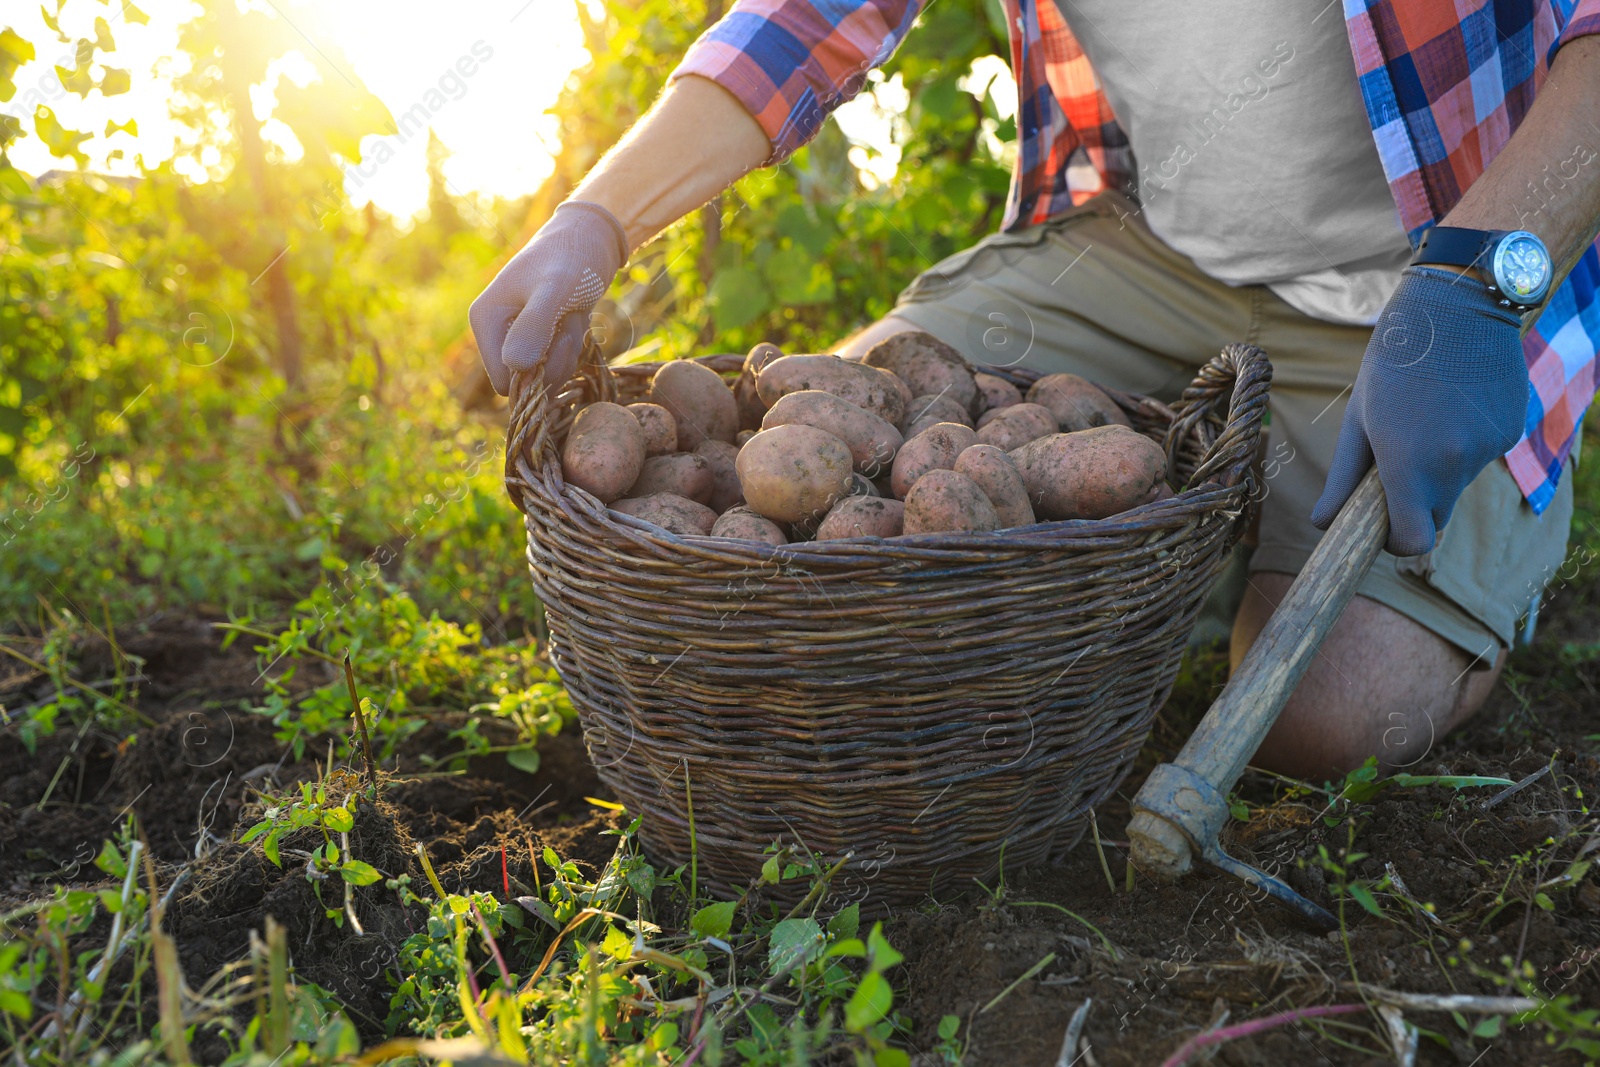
[[538, 306]]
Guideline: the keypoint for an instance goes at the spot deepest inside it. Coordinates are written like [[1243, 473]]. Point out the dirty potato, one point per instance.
[[862, 516], [702, 405], [944, 501], [604, 450], [751, 406], [1015, 426], [725, 491], [660, 428], [937, 447], [872, 440], [995, 392], [927, 365], [992, 471], [746, 525], [862, 386], [1090, 474], [681, 473], [1077, 403], [669, 511], [794, 472]]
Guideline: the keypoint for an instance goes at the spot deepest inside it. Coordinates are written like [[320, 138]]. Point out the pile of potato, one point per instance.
[[813, 447]]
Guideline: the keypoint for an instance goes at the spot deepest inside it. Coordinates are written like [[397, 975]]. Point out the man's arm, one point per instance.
[[1547, 178], [696, 141]]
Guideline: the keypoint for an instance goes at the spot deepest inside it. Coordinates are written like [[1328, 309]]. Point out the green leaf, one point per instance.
[[850, 946], [617, 945], [110, 860], [1456, 781], [15, 50], [525, 760], [1544, 901], [1364, 897], [339, 819], [1488, 1028], [799, 280], [115, 81], [770, 873], [948, 1026], [891, 1057], [56, 137], [846, 923], [869, 1003], [15, 1003], [792, 943], [270, 847], [359, 872], [714, 920], [255, 831], [737, 296], [878, 950]]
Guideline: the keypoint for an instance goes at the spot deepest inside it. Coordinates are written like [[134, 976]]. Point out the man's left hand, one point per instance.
[[1441, 393]]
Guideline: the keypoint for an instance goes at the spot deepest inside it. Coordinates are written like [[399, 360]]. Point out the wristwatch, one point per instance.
[[1514, 263]]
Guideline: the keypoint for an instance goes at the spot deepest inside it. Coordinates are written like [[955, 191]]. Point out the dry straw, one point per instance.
[[919, 701]]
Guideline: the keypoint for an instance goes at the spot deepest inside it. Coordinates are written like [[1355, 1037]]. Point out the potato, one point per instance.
[[861, 485], [701, 403], [898, 386], [936, 447], [660, 428], [992, 471], [725, 491], [927, 365], [1016, 425], [1077, 403], [941, 408], [1090, 474], [745, 524], [944, 501], [865, 387], [794, 472], [872, 440], [682, 473], [1161, 492], [743, 437], [995, 392], [862, 516], [669, 511], [751, 406], [604, 450]]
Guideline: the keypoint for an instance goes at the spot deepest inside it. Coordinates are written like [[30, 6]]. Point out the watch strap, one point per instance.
[[1455, 245]]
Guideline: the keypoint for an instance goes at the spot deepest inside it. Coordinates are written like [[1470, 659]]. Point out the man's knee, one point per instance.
[[1381, 685], [856, 346]]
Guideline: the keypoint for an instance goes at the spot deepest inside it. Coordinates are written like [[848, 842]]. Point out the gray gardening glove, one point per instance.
[[1442, 392], [540, 301]]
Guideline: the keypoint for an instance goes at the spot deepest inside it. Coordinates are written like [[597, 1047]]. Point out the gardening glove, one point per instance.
[[540, 301], [1442, 392]]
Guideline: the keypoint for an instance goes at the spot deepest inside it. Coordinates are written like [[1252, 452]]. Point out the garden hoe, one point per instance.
[[1183, 806]]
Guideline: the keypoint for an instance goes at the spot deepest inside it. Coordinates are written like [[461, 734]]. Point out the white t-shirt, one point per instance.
[[1255, 156]]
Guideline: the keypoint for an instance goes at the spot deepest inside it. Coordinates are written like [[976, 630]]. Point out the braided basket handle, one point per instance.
[[1243, 374], [540, 414]]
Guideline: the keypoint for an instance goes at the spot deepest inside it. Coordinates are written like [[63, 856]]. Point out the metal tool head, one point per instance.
[[1177, 816]]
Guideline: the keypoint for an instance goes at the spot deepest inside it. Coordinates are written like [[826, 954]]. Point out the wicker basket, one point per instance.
[[921, 702]]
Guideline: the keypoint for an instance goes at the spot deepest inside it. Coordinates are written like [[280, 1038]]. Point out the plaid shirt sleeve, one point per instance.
[[791, 62]]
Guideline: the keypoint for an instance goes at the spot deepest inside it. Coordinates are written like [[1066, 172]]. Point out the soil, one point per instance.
[[1185, 957]]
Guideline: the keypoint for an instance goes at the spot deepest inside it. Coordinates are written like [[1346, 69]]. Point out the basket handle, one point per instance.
[[1243, 374], [540, 413]]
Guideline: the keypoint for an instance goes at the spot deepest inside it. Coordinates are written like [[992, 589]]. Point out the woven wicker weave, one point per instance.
[[919, 702]]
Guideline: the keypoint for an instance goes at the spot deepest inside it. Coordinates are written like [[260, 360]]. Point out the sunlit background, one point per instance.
[[492, 122]]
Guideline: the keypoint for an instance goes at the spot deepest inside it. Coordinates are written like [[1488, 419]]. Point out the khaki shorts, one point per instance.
[[1094, 292]]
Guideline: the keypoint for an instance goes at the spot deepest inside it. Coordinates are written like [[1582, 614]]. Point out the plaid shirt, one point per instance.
[[1444, 84]]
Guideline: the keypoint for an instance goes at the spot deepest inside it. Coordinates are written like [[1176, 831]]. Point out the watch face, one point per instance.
[[1522, 267]]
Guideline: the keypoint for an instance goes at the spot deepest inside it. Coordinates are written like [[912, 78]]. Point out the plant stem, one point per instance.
[[361, 724], [1217, 1037]]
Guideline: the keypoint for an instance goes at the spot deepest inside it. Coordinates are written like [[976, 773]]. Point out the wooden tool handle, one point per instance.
[[1182, 806], [1233, 729]]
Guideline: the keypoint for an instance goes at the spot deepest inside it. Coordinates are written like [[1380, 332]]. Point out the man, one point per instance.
[[1244, 170]]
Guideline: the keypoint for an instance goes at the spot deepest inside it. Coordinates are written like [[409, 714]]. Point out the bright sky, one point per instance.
[[492, 121]]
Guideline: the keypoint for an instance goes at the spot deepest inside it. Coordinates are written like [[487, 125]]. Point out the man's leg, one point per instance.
[[1381, 685], [1420, 647]]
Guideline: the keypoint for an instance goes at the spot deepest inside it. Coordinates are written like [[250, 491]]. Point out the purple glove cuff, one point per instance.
[[589, 207]]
